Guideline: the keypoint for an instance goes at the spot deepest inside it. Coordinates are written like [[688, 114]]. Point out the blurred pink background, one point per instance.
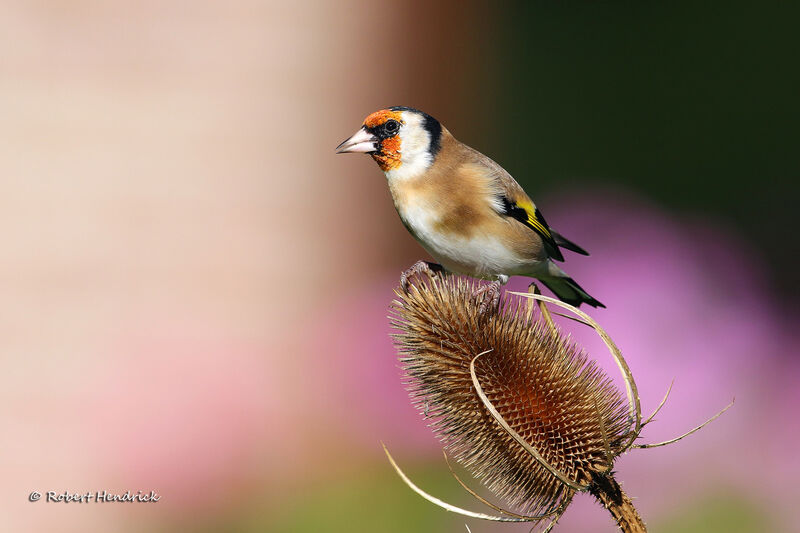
[[195, 287]]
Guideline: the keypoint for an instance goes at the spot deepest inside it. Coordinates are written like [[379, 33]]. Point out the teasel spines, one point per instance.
[[541, 384]]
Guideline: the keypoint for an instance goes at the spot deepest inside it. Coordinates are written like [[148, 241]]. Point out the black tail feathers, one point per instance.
[[570, 292], [567, 244]]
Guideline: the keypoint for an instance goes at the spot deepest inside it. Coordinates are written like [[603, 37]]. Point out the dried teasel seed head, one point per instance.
[[545, 388]]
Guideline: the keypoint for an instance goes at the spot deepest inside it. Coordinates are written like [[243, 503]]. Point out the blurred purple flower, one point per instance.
[[363, 379], [190, 415]]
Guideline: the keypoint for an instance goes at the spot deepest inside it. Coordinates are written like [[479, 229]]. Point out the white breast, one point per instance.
[[479, 255]]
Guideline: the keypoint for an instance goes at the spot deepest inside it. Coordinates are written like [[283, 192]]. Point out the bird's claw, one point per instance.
[[489, 297], [419, 267]]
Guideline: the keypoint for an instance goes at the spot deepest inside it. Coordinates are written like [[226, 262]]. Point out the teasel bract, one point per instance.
[[514, 402]]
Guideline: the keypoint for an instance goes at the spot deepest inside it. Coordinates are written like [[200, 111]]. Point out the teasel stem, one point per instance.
[[608, 492]]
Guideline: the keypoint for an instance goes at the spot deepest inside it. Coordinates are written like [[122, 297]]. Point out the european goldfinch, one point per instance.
[[462, 207]]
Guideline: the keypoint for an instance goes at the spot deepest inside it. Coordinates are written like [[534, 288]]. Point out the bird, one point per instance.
[[464, 209]]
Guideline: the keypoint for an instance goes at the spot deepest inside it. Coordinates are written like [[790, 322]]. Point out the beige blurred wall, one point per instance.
[[170, 211]]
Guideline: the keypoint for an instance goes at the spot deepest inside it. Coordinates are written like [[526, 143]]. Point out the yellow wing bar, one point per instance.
[[534, 218], [525, 212]]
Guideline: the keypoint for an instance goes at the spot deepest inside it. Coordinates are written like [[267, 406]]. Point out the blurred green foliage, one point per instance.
[[719, 512], [368, 500], [694, 105]]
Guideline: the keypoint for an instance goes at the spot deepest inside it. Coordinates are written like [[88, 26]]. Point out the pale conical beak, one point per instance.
[[362, 142]]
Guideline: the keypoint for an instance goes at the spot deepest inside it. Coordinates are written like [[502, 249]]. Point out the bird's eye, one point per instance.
[[391, 126]]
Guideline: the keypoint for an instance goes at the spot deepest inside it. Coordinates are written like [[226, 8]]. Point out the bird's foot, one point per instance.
[[489, 297], [418, 268]]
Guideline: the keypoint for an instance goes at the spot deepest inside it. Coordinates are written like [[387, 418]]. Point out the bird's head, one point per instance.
[[403, 141]]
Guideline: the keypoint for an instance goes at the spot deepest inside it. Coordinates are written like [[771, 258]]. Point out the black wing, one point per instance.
[[532, 217]]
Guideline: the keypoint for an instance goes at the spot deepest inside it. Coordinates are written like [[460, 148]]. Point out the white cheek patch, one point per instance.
[[415, 141]]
